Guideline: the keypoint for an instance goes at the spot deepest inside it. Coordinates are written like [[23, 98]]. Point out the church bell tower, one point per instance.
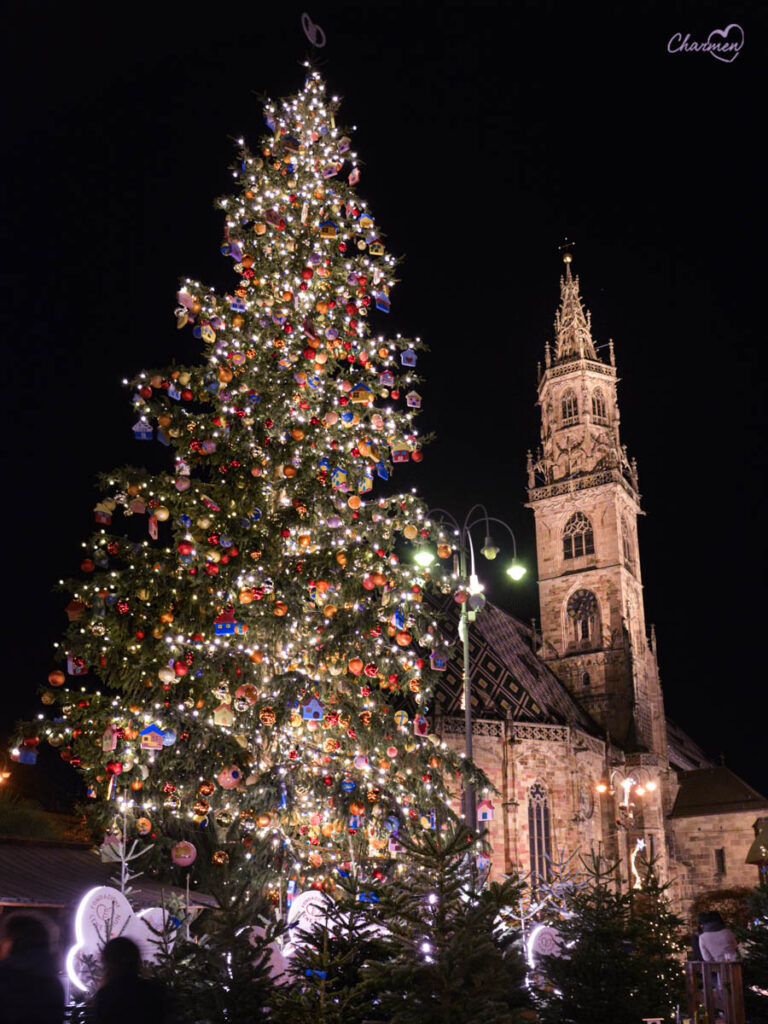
[[583, 490]]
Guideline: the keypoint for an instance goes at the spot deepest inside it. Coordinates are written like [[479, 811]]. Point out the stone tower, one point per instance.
[[584, 494]]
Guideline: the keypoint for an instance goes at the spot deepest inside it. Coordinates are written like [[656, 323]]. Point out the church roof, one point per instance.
[[715, 791], [508, 680], [683, 752]]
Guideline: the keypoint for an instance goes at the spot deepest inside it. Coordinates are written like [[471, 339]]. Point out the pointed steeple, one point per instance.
[[573, 327]]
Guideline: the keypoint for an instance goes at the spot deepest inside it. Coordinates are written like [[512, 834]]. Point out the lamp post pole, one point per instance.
[[468, 580], [470, 809]]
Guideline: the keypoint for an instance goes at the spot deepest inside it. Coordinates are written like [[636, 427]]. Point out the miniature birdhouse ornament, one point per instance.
[[400, 455], [224, 716], [312, 711], [109, 738], [224, 624], [408, 357], [142, 430], [339, 479], [361, 394], [420, 726], [438, 662], [151, 737], [386, 378], [102, 514], [485, 811], [328, 229], [413, 400]]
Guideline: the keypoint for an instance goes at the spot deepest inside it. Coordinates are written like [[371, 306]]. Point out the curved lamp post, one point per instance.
[[473, 603]]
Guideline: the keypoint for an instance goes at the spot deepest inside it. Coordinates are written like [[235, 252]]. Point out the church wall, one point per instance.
[[695, 840], [515, 756]]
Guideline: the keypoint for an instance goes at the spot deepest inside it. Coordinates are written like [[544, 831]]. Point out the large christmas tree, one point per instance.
[[249, 648]]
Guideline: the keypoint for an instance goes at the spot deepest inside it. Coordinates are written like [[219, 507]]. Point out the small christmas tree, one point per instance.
[[657, 942], [444, 962], [226, 968], [753, 941], [618, 953], [327, 971]]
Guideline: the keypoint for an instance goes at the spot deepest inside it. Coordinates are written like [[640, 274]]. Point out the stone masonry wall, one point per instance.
[[695, 841]]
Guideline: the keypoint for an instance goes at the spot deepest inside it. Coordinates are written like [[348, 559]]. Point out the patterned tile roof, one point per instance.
[[508, 679]]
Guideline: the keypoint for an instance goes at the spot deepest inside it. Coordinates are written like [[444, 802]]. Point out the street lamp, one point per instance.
[[473, 602]]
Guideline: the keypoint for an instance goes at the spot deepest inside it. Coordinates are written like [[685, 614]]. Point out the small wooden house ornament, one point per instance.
[[408, 357], [339, 479], [365, 221], [142, 430], [223, 715], [312, 711], [413, 400], [420, 725], [224, 624], [438, 662], [109, 739], [365, 482], [102, 514], [400, 455], [386, 378], [376, 248], [485, 811], [151, 737], [328, 229], [354, 176], [361, 394]]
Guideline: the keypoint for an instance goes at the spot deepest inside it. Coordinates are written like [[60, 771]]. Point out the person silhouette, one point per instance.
[[124, 992], [30, 991]]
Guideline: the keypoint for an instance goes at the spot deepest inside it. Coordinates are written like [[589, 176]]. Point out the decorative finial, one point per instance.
[[565, 249]]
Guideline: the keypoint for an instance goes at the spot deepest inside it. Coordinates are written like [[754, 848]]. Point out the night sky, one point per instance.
[[489, 132]]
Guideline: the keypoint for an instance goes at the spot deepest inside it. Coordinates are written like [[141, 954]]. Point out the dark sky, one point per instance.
[[489, 132]]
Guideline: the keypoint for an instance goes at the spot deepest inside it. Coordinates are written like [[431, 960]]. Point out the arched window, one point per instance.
[[578, 538], [626, 543], [598, 406], [539, 838], [583, 609], [585, 680], [570, 406]]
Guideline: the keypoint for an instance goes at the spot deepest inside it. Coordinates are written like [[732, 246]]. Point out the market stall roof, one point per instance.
[[42, 873], [758, 851]]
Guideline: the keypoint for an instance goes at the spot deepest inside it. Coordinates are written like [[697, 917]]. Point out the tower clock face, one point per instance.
[[582, 604]]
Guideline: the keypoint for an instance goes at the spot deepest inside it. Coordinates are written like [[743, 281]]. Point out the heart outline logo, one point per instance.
[[724, 33]]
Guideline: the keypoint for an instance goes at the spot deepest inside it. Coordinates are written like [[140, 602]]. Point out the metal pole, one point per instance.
[[470, 811]]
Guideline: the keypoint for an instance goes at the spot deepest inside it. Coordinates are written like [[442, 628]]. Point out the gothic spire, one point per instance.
[[573, 327]]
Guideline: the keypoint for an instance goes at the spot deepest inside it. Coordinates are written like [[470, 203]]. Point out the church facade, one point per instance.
[[569, 721]]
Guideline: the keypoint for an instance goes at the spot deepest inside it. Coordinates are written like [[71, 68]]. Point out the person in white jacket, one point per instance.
[[717, 942]]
